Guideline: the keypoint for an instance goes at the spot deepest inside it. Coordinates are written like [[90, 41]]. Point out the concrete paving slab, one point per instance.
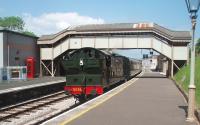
[[9, 86], [151, 100]]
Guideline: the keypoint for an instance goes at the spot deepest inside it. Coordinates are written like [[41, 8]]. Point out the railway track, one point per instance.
[[15, 111]]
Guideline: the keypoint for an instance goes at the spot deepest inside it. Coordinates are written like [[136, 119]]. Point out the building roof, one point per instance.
[[183, 36], [16, 32]]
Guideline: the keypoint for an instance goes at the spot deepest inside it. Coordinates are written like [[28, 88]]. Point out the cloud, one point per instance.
[[48, 23]]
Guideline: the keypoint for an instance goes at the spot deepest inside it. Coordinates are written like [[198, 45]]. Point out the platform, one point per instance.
[[150, 99], [17, 85]]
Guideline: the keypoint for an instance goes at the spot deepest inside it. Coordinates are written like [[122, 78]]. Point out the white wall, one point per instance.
[[180, 53], [75, 43], [88, 42], [46, 53], [1, 50]]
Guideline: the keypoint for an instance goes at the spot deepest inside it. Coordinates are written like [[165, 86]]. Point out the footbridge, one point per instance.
[[171, 44]]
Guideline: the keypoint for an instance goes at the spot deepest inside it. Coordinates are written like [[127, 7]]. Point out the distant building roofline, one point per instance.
[[3, 29]]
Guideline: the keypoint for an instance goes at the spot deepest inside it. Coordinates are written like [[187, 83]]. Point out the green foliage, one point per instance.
[[15, 23], [183, 79], [28, 33], [1, 21], [198, 47], [12, 23]]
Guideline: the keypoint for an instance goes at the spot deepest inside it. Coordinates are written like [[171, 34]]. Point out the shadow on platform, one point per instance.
[[185, 109]]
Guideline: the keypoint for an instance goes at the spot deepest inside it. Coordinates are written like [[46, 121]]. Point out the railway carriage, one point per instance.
[[89, 71]]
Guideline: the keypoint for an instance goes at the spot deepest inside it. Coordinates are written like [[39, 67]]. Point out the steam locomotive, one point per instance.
[[89, 71]]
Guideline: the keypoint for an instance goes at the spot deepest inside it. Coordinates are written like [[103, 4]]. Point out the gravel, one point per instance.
[[37, 115]]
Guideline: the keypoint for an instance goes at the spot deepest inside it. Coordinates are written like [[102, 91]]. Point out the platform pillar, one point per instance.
[[41, 69], [172, 61], [188, 55], [52, 68], [172, 68], [52, 62]]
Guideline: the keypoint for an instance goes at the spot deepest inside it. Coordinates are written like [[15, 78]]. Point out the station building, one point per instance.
[[15, 48], [156, 63]]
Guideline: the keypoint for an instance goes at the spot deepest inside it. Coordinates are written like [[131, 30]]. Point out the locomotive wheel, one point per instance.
[[82, 98]]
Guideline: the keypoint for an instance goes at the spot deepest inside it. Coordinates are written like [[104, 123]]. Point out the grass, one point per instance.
[[183, 79]]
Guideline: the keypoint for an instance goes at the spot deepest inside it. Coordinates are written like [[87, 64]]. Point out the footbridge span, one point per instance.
[[171, 44]]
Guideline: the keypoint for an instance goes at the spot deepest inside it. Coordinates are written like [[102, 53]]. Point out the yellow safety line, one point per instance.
[[95, 105]]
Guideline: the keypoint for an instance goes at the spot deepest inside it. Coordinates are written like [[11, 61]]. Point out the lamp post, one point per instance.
[[193, 7]]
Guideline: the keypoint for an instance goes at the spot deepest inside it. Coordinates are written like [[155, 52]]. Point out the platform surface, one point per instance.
[[150, 100], [20, 84]]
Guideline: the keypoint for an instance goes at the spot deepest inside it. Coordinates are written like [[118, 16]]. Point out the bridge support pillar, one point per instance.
[[52, 62], [41, 68], [47, 65], [172, 61], [52, 68], [172, 68], [188, 55]]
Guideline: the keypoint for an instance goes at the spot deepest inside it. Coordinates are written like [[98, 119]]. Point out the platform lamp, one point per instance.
[[193, 7]]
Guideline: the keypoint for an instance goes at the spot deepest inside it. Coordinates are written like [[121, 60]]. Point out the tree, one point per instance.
[[1, 21], [28, 33], [12, 23], [15, 23]]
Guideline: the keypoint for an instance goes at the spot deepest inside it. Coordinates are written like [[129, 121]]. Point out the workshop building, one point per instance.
[[16, 47]]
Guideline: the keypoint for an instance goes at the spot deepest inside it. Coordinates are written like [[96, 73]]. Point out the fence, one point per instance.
[[13, 73]]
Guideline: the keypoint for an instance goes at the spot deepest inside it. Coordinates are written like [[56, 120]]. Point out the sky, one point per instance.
[[51, 16]]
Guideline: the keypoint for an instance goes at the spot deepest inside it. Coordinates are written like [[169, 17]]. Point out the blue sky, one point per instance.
[[39, 14], [169, 13]]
